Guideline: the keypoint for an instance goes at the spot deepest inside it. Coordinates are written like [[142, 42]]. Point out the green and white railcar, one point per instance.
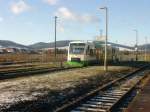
[[81, 52]]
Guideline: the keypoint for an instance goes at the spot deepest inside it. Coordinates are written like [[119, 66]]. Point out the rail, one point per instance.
[[105, 98]]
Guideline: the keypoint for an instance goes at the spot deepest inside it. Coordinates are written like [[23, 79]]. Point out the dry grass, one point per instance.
[[49, 57], [24, 57]]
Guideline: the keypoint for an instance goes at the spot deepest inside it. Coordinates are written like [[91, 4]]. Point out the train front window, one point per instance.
[[77, 48]]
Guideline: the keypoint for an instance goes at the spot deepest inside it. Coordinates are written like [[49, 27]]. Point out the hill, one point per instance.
[[11, 44], [42, 45]]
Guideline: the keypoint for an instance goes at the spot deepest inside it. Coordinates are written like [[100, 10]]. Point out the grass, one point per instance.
[[73, 64]]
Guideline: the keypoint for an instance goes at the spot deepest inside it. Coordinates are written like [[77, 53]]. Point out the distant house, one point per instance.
[[10, 50], [51, 50], [23, 50], [1, 51]]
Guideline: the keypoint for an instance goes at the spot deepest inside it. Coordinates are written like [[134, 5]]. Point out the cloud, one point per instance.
[[67, 14], [19, 7], [51, 2], [89, 18], [61, 28], [1, 19]]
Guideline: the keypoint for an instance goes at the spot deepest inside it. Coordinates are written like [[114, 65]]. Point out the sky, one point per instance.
[[31, 21]]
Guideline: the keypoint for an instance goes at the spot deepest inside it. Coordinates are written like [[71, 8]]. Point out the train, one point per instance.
[[91, 52]]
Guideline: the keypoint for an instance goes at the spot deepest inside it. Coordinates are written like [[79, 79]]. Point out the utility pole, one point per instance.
[[145, 48], [106, 38], [136, 44], [55, 35]]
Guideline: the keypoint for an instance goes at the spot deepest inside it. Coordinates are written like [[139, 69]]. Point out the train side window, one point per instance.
[[87, 51]]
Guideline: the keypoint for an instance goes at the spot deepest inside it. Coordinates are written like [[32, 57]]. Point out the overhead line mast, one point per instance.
[[136, 44], [145, 48], [106, 39], [55, 35]]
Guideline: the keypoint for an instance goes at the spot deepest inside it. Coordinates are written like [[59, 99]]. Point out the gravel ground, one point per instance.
[[45, 92]]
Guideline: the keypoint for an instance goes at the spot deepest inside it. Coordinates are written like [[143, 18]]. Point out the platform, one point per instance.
[[141, 103]]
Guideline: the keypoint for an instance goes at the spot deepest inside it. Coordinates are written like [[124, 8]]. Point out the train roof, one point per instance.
[[81, 42], [101, 43]]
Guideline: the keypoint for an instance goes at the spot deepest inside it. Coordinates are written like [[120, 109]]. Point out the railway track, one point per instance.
[[14, 71], [25, 65], [106, 98], [30, 72]]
